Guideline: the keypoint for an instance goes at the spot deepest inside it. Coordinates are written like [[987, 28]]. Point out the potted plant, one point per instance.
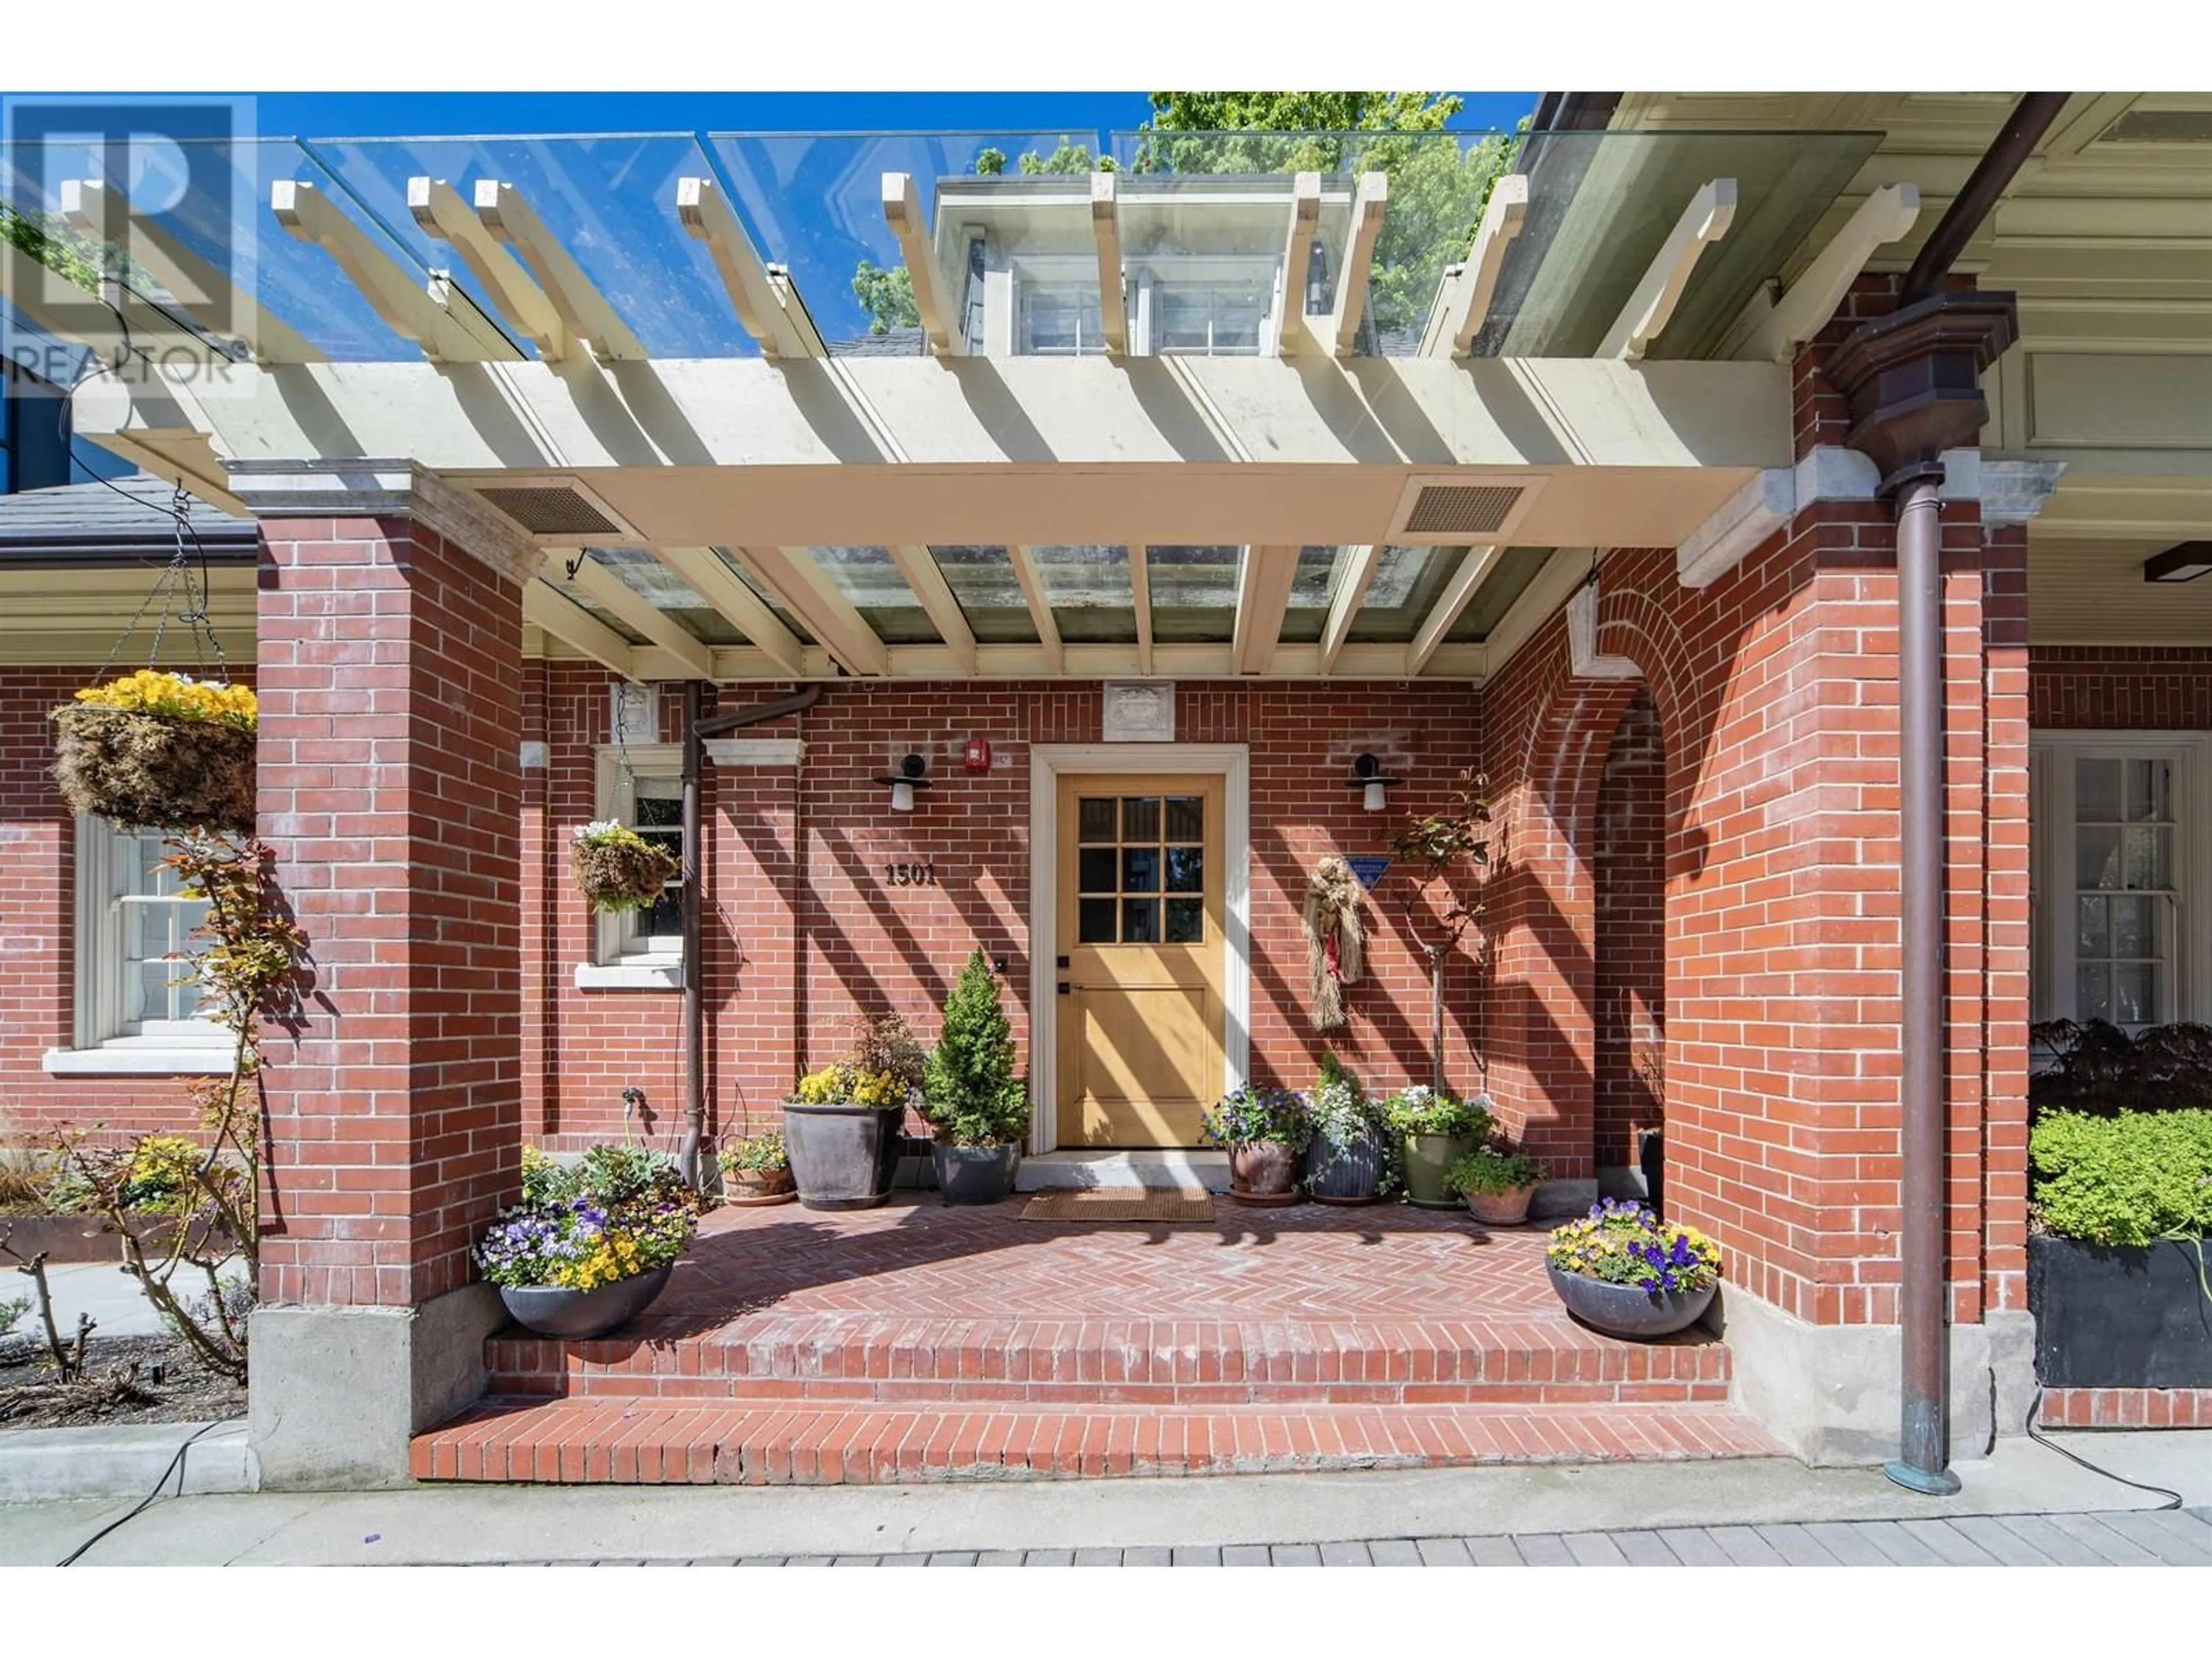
[[1498, 1180], [1264, 1130], [977, 1109], [1348, 1159], [154, 751], [1623, 1271], [616, 868], [757, 1170], [841, 1125], [2122, 1229], [1435, 1131], [592, 1245]]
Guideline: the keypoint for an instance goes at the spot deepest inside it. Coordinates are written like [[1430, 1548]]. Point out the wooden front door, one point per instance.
[[1141, 1002]]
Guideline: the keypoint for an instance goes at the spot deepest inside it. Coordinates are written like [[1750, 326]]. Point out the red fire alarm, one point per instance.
[[976, 754]]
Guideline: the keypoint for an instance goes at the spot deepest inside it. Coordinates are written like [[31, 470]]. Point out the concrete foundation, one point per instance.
[[336, 1393], [1830, 1392]]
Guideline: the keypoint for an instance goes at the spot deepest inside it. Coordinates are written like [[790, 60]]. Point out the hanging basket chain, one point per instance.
[[180, 596]]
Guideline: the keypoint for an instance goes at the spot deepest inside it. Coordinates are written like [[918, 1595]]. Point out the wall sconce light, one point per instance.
[[1367, 777], [2183, 563], [903, 782]]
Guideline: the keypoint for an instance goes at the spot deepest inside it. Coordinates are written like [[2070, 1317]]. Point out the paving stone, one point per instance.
[[952, 1558], [1644, 1549], [1594, 1549], [914, 1559], [1899, 1545], [806, 1560], [1745, 1547], [2150, 1532], [2008, 1547], [1443, 1553], [1543, 1549], [1796, 1546], [2190, 1528], [2116, 1547], [1494, 1552], [1694, 1547], [1340, 1554], [761, 1561], [1394, 1553], [1049, 1558], [2060, 1545], [856, 1561], [1295, 1555], [1150, 1556], [1196, 1555], [1948, 1542], [1098, 1557], [1245, 1555], [999, 1558]]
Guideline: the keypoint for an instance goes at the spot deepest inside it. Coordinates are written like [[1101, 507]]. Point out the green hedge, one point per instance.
[[2124, 1180]]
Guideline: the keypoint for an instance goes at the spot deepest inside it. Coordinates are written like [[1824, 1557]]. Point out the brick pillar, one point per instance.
[[390, 723]]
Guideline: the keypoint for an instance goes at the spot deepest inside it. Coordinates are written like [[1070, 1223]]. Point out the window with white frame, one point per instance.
[[641, 785], [2120, 852], [138, 1001], [1060, 319]]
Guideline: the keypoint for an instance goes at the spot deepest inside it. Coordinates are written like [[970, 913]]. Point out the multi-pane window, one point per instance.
[[641, 785], [1140, 870], [658, 816], [1211, 319], [1061, 320], [135, 980], [2124, 890]]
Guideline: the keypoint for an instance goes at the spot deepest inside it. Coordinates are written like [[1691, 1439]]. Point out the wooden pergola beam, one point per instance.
[[1772, 329], [1032, 586], [438, 210], [902, 211], [1466, 305], [448, 327], [545, 607], [765, 308], [934, 594], [1344, 604], [1651, 306], [1474, 565], [1290, 335], [701, 570], [1106, 232], [1264, 579], [1369, 207], [583, 310], [793, 574], [1140, 588], [631, 608]]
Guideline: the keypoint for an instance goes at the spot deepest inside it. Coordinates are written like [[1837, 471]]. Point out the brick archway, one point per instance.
[[1630, 1012]]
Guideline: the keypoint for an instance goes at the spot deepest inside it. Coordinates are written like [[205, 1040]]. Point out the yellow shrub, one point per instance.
[[177, 695]]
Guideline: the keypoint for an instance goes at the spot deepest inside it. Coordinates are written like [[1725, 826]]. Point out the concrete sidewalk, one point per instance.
[[1717, 1511]]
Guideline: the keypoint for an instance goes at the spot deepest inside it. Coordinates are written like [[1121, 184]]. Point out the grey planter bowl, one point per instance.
[[1351, 1174], [975, 1175], [550, 1311], [843, 1156], [1626, 1311]]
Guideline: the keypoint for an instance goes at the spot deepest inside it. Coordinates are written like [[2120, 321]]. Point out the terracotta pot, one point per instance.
[[1263, 1168], [756, 1183], [1507, 1209]]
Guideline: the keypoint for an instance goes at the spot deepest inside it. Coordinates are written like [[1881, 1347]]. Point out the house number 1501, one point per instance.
[[921, 874]]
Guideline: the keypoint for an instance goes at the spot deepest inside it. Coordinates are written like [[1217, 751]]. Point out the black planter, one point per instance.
[[843, 1156], [1350, 1174], [578, 1316], [2119, 1316], [1626, 1310], [975, 1175]]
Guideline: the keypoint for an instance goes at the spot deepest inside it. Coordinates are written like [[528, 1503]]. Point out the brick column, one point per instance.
[[391, 723]]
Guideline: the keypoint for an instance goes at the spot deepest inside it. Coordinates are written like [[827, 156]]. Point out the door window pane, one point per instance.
[[1135, 860], [1095, 819], [1141, 818], [1095, 870], [1186, 869], [1186, 922], [1186, 818], [1094, 921], [1140, 921]]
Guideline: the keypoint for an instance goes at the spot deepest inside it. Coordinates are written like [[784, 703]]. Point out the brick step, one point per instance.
[[799, 1443], [868, 1359]]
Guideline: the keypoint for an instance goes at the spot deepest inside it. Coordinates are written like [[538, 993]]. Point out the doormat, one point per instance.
[[1120, 1204]]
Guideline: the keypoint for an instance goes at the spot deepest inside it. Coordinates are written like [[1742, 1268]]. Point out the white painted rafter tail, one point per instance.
[[584, 310], [637, 613], [1467, 304], [1651, 306], [794, 575], [934, 594], [453, 331], [1370, 205], [439, 210], [95, 208], [1264, 579], [1140, 587], [1290, 335], [546, 608], [1474, 565], [765, 308], [1033, 595], [1106, 232], [1344, 605], [902, 211], [1771, 331], [702, 571]]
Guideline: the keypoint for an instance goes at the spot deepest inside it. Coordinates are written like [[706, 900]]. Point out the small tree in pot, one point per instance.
[[977, 1107], [1264, 1130]]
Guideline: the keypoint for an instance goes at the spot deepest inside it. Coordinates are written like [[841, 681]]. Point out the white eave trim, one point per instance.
[[754, 751]]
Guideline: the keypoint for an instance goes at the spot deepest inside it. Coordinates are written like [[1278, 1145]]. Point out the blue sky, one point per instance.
[[375, 114]]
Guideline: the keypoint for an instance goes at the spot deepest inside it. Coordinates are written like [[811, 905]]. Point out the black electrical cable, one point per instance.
[[2035, 1406], [176, 1467]]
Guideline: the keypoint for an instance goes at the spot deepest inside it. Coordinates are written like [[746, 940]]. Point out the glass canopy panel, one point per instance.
[[608, 199], [1406, 582], [205, 209], [591, 606], [1090, 592], [665, 591], [875, 587], [1602, 204], [1194, 593], [982, 580], [1508, 579], [784, 614], [813, 204], [1311, 589]]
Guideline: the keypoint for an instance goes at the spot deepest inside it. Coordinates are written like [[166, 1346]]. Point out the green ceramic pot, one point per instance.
[[1428, 1160]]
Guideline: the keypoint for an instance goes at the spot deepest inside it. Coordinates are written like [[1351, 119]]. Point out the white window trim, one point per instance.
[[2050, 757], [618, 962], [197, 1048]]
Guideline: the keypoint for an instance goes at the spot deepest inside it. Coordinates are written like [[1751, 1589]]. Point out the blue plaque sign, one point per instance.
[[1369, 867]]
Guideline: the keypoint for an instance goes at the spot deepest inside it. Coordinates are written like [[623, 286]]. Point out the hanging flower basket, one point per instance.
[[160, 751], [618, 869]]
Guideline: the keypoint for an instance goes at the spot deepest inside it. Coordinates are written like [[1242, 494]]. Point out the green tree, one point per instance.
[[969, 1092], [887, 296], [50, 241]]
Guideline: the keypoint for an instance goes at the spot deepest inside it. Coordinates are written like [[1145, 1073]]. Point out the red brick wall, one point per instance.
[[1630, 967], [2116, 687], [390, 680], [38, 933]]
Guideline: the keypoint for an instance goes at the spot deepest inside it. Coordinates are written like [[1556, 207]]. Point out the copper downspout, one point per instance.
[[698, 726]]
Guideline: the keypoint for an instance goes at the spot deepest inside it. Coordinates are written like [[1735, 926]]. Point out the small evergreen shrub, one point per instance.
[[969, 1093], [1494, 1167], [2124, 1180]]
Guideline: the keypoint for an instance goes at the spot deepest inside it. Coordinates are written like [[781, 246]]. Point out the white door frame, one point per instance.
[[1232, 762]]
